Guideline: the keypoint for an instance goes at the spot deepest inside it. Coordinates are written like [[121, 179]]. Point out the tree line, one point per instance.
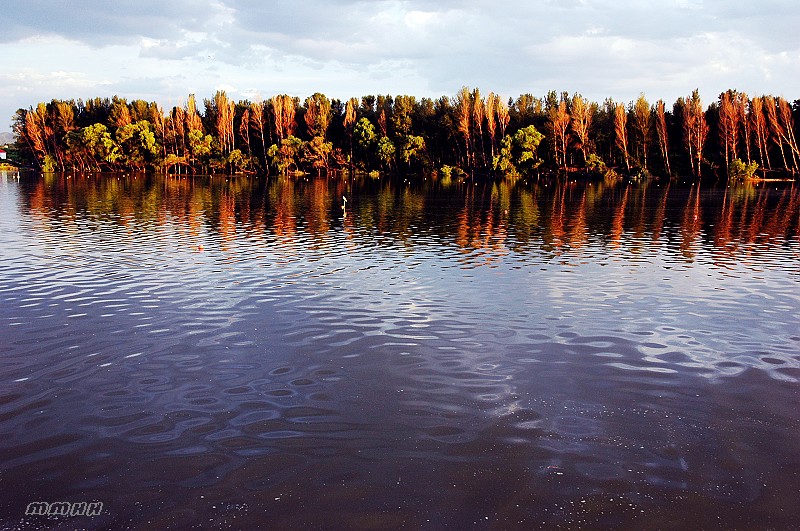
[[468, 133]]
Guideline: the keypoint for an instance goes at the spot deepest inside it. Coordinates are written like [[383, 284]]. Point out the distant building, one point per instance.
[[2, 154]]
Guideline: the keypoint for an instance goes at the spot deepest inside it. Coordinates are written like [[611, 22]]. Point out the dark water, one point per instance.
[[239, 354]]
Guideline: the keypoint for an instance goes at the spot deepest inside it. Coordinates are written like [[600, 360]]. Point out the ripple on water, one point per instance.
[[422, 351]]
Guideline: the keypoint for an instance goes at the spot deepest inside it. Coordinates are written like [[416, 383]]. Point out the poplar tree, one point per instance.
[[221, 111], [463, 108], [318, 115], [757, 123], [284, 109], [775, 127], [257, 123], [695, 130], [641, 124], [662, 134], [491, 120], [559, 124], [478, 115], [621, 132], [728, 126], [349, 121], [244, 128], [193, 120], [787, 135], [581, 122], [503, 117], [741, 104]]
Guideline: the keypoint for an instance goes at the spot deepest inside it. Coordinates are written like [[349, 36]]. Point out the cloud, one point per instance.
[[100, 23], [601, 48]]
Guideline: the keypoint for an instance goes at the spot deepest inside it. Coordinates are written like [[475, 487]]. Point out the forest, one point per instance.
[[736, 136]]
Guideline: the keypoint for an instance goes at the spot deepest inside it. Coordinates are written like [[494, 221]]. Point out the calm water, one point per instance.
[[240, 353]]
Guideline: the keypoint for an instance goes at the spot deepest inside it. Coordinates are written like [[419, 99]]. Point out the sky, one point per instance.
[[163, 50]]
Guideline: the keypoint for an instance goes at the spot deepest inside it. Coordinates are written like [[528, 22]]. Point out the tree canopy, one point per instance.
[[477, 134]]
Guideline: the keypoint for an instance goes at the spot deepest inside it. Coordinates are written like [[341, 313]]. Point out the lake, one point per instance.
[[241, 353]]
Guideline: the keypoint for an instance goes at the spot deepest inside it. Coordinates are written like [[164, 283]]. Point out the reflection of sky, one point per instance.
[[13, 243], [462, 262], [427, 341], [693, 308]]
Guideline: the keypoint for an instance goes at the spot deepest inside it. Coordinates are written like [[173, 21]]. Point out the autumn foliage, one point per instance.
[[477, 134]]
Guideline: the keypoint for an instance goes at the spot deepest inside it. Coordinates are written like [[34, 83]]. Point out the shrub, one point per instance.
[[741, 170]]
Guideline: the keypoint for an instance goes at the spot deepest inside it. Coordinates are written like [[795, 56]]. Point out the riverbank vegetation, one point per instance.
[[736, 136]]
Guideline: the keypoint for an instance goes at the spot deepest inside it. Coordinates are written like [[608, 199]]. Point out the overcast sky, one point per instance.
[[163, 50]]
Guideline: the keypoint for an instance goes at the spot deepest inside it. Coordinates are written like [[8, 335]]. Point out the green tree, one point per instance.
[[401, 115], [138, 144], [739, 170], [238, 161], [199, 147], [284, 156], [386, 152], [98, 146], [412, 149], [518, 153], [316, 154], [365, 140]]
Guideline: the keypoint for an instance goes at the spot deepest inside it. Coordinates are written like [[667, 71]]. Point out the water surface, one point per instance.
[[240, 353]]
